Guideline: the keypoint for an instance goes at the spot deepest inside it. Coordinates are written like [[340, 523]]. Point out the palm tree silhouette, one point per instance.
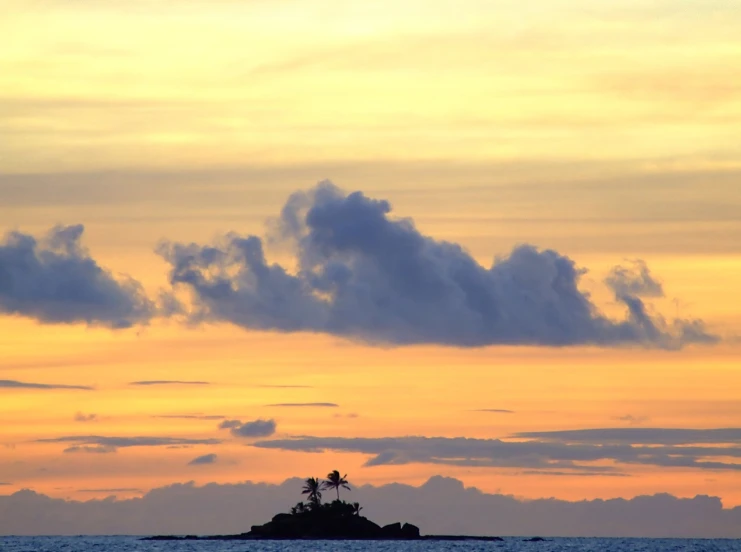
[[334, 481], [356, 507], [299, 508], [312, 487]]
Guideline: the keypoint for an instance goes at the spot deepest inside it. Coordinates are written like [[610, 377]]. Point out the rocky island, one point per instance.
[[332, 520]]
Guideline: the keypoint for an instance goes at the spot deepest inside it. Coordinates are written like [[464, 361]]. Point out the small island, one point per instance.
[[331, 520]]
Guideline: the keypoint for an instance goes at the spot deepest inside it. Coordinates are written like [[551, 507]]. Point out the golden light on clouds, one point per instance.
[[606, 131]]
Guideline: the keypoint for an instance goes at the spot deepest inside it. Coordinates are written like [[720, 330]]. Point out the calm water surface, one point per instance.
[[514, 544]]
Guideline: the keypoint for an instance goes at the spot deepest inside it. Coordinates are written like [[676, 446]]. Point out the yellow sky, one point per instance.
[[607, 131]]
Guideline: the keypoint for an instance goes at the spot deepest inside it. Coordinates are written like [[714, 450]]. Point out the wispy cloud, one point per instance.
[[578, 451], [205, 459], [191, 416], [494, 410], [169, 382], [82, 417], [307, 405], [103, 444], [13, 384], [365, 275]]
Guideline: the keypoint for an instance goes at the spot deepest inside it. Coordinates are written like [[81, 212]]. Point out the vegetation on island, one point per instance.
[[336, 519]]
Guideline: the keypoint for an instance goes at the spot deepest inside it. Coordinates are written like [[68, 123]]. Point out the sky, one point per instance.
[[250, 241]]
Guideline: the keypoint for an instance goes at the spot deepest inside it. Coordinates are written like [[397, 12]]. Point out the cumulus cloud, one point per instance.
[[256, 428], [101, 444], [13, 384], [168, 382], [365, 275], [307, 405], [54, 279], [441, 505], [82, 417], [205, 459], [579, 451]]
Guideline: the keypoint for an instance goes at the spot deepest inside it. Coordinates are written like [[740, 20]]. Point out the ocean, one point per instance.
[[514, 544]]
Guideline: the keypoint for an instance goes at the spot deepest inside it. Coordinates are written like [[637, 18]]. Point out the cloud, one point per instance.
[[4, 484], [442, 505], [256, 428], [308, 405], [205, 459], [638, 435], [285, 386], [191, 416], [100, 444], [230, 424], [81, 417], [113, 490], [577, 451], [54, 279], [97, 449], [367, 276], [169, 382], [632, 420], [495, 410], [12, 384]]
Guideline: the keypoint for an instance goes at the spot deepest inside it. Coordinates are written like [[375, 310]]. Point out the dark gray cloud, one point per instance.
[[441, 505], [364, 275], [639, 435], [169, 382], [308, 405], [101, 444], [13, 384], [55, 280], [230, 424], [577, 451], [205, 459], [495, 410], [255, 428], [82, 417], [113, 490]]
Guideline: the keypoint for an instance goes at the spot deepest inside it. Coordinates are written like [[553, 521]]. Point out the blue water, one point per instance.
[[514, 544]]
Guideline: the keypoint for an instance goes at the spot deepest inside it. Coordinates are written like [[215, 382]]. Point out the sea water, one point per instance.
[[513, 544]]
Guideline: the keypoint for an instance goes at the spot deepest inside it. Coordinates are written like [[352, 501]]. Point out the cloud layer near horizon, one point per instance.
[[442, 505], [598, 451], [367, 276]]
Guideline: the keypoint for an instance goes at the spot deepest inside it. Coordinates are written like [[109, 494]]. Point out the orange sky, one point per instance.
[[610, 135]]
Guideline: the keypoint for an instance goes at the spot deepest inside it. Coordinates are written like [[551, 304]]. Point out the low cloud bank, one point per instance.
[[365, 275], [442, 505], [578, 451]]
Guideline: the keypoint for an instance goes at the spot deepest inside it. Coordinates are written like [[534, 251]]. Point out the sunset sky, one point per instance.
[[600, 133]]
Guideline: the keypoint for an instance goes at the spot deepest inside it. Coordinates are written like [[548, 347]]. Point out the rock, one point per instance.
[[409, 531]]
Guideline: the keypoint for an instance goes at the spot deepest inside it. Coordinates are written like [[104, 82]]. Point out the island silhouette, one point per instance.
[[312, 519]]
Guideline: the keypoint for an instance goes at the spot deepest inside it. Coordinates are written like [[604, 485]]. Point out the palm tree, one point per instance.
[[334, 481], [356, 507], [299, 508], [312, 487]]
